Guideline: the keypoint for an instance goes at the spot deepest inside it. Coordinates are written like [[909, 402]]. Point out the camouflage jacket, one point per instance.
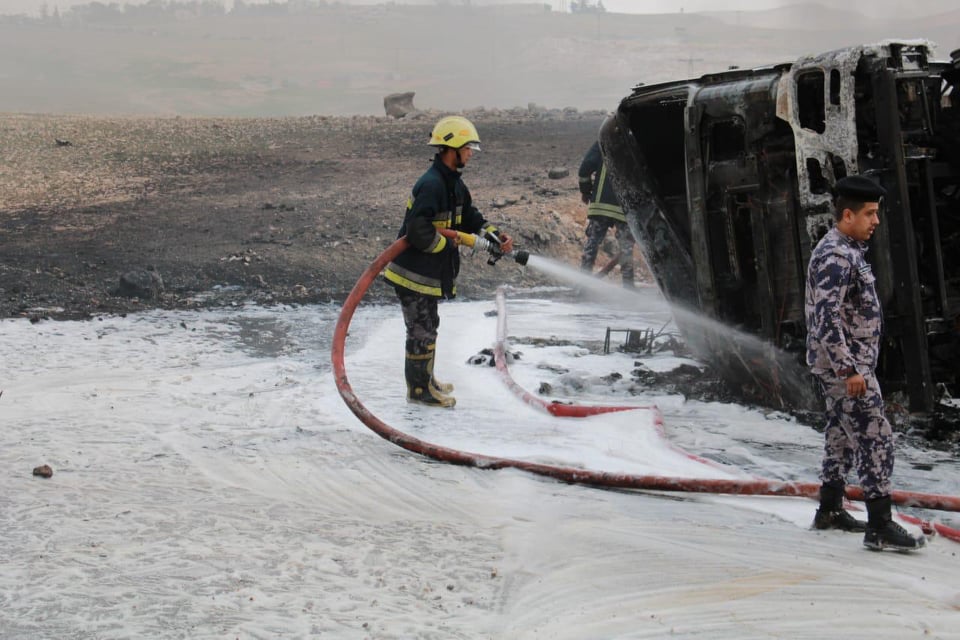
[[844, 319]]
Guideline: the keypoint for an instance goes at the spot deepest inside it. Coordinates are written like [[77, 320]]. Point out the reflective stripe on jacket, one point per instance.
[[595, 184], [431, 263]]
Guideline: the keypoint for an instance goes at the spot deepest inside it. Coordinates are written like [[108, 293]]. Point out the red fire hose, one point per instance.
[[572, 410], [560, 409], [567, 410], [570, 474]]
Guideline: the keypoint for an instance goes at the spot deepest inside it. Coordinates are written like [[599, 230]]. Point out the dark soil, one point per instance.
[[288, 210]]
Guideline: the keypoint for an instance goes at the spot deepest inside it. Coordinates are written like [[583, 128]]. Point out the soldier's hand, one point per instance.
[[856, 386]]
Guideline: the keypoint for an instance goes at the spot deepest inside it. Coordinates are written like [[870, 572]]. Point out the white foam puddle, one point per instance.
[[210, 482]]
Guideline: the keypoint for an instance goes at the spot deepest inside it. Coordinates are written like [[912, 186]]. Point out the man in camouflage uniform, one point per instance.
[[844, 325], [603, 212], [427, 270]]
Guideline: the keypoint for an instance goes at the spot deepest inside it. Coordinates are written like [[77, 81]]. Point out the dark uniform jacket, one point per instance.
[[844, 318], [430, 264], [595, 184]]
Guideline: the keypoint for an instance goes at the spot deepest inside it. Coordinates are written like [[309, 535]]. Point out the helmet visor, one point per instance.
[[475, 146]]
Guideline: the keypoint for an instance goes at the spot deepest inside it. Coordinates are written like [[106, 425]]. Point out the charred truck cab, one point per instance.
[[726, 181]]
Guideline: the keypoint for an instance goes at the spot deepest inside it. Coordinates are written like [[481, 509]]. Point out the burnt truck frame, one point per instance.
[[726, 182]]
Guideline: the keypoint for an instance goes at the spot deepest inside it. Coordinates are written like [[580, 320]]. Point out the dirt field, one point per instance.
[[270, 210]]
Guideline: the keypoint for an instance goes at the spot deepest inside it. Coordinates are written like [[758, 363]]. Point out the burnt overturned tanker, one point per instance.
[[726, 181]]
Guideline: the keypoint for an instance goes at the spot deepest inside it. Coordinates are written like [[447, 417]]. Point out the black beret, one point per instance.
[[860, 188]]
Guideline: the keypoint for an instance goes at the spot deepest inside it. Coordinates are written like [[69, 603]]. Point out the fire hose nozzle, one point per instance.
[[483, 244], [496, 252], [490, 246]]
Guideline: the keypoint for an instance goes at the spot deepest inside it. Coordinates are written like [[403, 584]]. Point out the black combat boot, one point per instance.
[[441, 387], [883, 533], [419, 389], [831, 514]]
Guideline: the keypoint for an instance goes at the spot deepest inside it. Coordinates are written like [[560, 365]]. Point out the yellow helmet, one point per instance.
[[455, 132]]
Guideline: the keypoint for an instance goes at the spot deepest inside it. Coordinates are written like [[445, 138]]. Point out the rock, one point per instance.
[[557, 172], [44, 471], [397, 105], [141, 283]]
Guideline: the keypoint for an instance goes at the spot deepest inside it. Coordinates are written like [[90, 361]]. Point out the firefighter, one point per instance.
[[844, 326], [603, 212], [426, 271]]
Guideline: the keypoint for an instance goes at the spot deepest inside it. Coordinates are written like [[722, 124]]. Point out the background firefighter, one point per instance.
[[603, 212], [427, 270]]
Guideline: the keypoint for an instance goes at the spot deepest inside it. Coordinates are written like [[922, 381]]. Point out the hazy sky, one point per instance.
[[32, 7], [875, 8]]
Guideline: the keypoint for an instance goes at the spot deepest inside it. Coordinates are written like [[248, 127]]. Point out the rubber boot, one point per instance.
[[831, 514], [883, 533], [440, 387], [419, 389]]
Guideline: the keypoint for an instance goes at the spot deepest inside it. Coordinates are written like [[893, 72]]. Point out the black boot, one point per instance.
[[419, 389], [883, 533], [831, 514], [441, 387]]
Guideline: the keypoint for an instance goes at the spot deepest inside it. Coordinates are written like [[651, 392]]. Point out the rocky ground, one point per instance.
[[102, 215]]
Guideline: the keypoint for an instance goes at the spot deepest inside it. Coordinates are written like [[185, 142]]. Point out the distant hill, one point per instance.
[[808, 16], [895, 10], [340, 60], [945, 20]]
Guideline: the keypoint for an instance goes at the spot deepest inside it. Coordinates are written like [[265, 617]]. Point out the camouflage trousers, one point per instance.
[[421, 319], [597, 227], [858, 436]]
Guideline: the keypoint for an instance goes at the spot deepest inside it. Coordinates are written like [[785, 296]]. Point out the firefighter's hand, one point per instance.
[[856, 386], [506, 243]]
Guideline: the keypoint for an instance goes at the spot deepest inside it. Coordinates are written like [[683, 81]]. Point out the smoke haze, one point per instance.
[[200, 58]]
